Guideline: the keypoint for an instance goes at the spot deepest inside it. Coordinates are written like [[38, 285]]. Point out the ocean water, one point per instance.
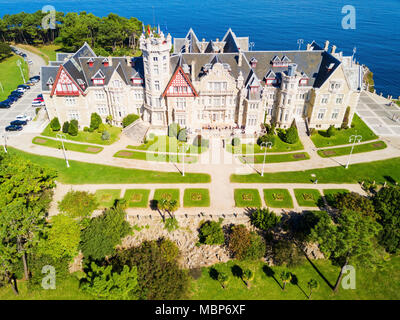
[[270, 24]]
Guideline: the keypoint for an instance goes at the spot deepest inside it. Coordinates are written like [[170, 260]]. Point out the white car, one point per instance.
[[37, 104], [21, 89], [23, 117]]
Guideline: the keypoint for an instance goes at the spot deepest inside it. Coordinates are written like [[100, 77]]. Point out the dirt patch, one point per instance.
[[278, 196], [93, 149], [308, 197], [247, 197], [136, 197], [196, 196], [106, 197], [378, 145], [41, 141], [125, 154], [329, 153], [299, 156]]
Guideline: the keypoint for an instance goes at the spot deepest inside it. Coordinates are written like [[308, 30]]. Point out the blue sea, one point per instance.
[[271, 24]]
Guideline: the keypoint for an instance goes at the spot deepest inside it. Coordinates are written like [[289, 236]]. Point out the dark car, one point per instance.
[[4, 105], [17, 92], [14, 96], [7, 101], [18, 123], [25, 86], [13, 128], [39, 96]]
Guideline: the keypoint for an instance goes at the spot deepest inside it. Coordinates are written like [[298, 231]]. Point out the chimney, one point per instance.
[[240, 59], [129, 61], [308, 46], [292, 69], [186, 46], [109, 61], [333, 49], [192, 68], [326, 45]]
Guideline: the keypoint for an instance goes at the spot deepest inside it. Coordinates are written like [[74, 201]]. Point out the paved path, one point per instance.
[[38, 62]]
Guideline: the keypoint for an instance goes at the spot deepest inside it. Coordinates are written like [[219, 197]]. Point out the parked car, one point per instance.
[[30, 62], [35, 78], [21, 89], [14, 128], [4, 105], [39, 99], [17, 93], [37, 104], [18, 123], [30, 83], [40, 95], [25, 86], [23, 117], [8, 101]]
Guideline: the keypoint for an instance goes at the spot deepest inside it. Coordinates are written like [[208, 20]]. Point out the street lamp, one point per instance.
[[353, 139], [5, 142], [184, 149], [61, 137], [20, 69], [265, 145], [300, 42]]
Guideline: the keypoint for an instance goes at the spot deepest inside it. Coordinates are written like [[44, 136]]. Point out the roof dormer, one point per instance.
[[106, 62], [90, 62], [98, 78], [253, 62], [270, 78]]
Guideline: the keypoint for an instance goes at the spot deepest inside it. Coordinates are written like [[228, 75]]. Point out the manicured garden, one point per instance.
[[150, 156], [278, 198], [94, 137], [307, 197], [89, 173], [359, 148], [275, 158], [68, 146], [341, 136], [166, 194], [107, 197], [137, 198], [196, 198], [247, 198], [10, 75], [379, 171]]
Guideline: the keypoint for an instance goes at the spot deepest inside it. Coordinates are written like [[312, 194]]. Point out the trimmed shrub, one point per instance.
[[102, 127], [129, 119], [65, 127], [86, 129], [331, 131], [290, 136], [73, 128], [95, 121], [264, 219], [235, 142], [55, 124], [182, 136], [105, 136], [78, 204], [211, 232], [266, 138], [173, 130]]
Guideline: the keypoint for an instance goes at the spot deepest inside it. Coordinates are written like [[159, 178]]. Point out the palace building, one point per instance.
[[204, 84]]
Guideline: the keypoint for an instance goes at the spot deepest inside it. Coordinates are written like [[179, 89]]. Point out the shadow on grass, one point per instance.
[[319, 272], [295, 281], [213, 273], [271, 273]]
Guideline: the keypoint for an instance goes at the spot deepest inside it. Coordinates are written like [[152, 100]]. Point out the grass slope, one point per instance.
[[10, 75], [41, 141], [366, 147]]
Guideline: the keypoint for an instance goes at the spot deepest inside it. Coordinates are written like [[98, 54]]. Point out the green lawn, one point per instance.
[[107, 197], [275, 158], [89, 173], [167, 194], [167, 144], [254, 148], [379, 284], [68, 146], [307, 197], [247, 198], [380, 171], [329, 194], [278, 198], [150, 156], [10, 75], [137, 198], [196, 198], [87, 137], [342, 136], [366, 147]]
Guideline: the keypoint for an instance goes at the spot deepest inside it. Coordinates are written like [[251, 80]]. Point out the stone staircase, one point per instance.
[[137, 131]]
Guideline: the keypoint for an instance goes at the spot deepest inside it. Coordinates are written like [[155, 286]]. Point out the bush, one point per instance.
[[291, 136], [102, 127], [91, 130], [129, 119], [86, 129], [171, 224], [173, 130], [264, 219], [104, 232], [211, 232], [105, 136], [287, 253], [266, 138], [331, 131], [95, 121], [65, 127], [235, 142], [78, 204], [182, 136], [200, 142], [245, 245], [355, 202], [55, 124], [73, 128]]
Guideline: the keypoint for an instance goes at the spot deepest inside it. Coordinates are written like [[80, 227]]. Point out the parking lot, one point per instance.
[[384, 120]]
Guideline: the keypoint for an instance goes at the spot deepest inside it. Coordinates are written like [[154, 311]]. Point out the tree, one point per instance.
[[173, 130], [286, 277], [159, 274], [103, 233], [387, 206], [235, 142], [55, 124], [211, 233], [312, 284], [130, 118], [245, 245], [104, 283], [291, 136], [247, 277], [62, 238], [287, 253], [95, 121], [269, 137], [331, 131], [25, 196], [73, 128], [78, 204], [264, 219], [355, 202], [182, 136], [353, 236], [65, 127], [345, 123], [223, 279]]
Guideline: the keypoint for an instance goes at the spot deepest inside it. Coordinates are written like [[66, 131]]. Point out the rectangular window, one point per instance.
[[335, 114], [252, 120], [102, 109], [339, 99], [155, 69], [321, 114], [157, 85], [70, 101], [325, 99], [73, 115], [99, 95], [180, 103]]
